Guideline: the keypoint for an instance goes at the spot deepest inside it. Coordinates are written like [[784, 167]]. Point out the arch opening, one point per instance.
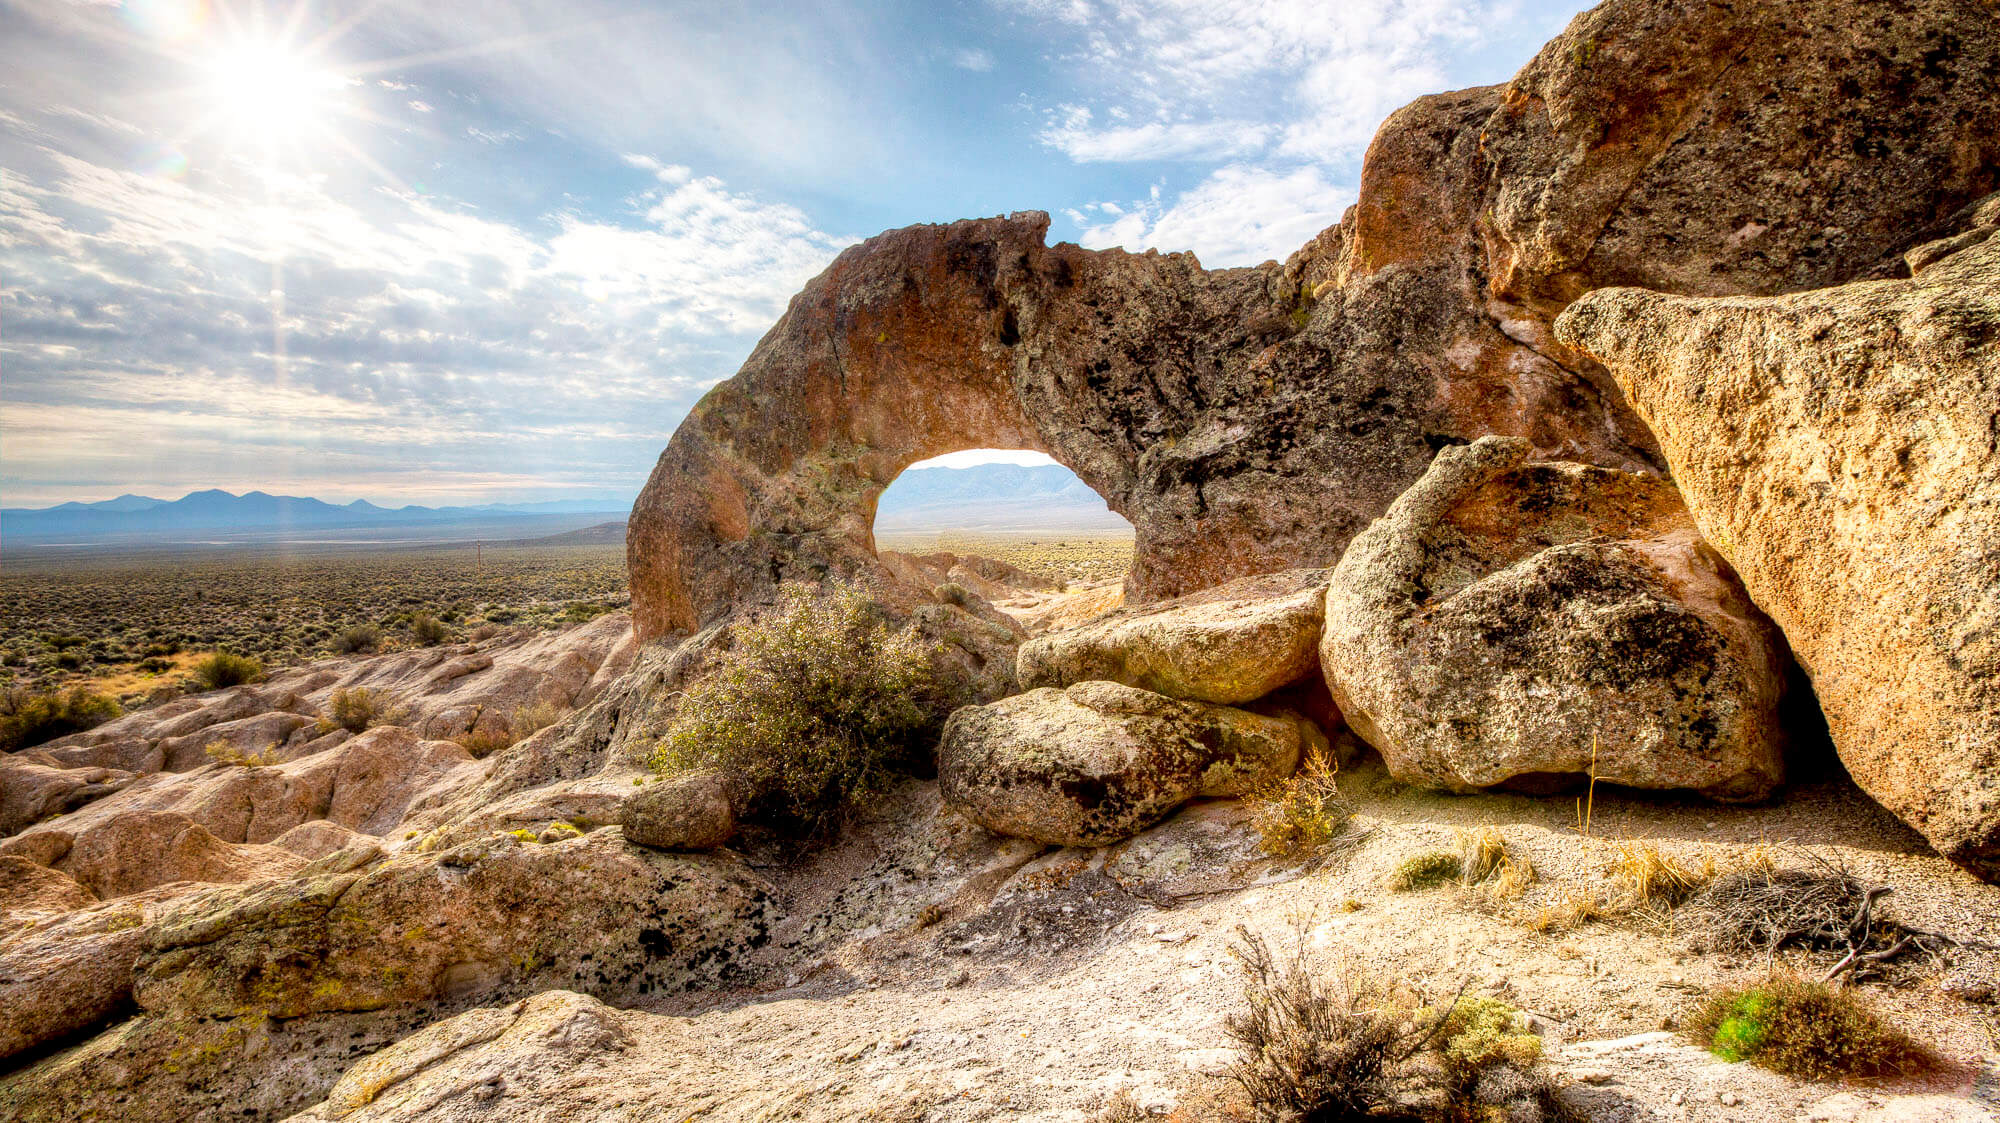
[[1015, 527]]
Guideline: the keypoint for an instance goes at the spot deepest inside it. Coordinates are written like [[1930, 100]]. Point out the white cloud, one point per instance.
[[1073, 131], [972, 458], [420, 106], [1239, 215], [974, 59], [1314, 78]]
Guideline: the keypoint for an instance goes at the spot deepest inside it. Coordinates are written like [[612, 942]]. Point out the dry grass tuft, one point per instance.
[[1805, 1029], [523, 723], [1302, 813], [222, 752], [1652, 878], [357, 710], [1487, 859]]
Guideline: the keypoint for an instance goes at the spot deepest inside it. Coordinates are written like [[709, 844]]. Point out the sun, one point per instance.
[[267, 94]]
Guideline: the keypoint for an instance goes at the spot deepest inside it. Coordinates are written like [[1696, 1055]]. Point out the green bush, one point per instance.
[[1804, 1029], [360, 638], [357, 709], [218, 669], [428, 630], [1426, 871], [32, 717], [813, 706]]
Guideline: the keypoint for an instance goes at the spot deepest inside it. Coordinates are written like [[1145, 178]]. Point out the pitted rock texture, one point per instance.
[[1839, 448], [1254, 420], [1527, 622], [1231, 644], [1101, 761], [689, 812]]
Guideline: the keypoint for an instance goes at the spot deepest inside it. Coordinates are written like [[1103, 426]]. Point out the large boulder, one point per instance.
[[690, 812], [1101, 761], [1231, 644], [1529, 622], [1839, 448]]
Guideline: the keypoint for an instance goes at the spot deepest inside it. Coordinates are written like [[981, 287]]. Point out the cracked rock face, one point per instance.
[[1838, 447], [1100, 762], [1534, 622]]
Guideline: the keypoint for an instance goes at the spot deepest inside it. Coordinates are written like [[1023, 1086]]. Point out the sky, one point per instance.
[[493, 250]]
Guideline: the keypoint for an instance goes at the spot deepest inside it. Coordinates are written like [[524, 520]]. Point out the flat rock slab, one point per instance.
[[1231, 644]]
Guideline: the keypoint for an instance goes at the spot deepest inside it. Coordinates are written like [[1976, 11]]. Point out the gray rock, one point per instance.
[[1101, 761], [1527, 622]]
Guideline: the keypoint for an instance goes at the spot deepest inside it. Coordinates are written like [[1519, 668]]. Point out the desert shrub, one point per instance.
[[523, 723], [428, 630], [218, 669], [486, 632], [356, 710], [1347, 1047], [1302, 812], [30, 717], [222, 752], [1804, 1029], [582, 612], [1427, 870], [812, 707], [360, 638], [500, 614]]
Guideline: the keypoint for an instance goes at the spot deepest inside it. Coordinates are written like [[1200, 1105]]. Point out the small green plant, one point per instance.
[[222, 752], [1302, 812], [218, 669], [32, 717], [1427, 870], [812, 707], [356, 710], [1481, 1032], [428, 630], [1804, 1029], [358, 639]]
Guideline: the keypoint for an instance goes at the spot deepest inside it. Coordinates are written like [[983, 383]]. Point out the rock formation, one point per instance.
[[1253, 420], [1101, 761], [1839, 448], [1511, 622]]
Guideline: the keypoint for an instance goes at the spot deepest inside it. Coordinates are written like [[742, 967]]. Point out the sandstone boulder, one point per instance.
[[689, 812], [1838, 448], [1528, 622], [64, 973], [1101, 761], [1231, 644]]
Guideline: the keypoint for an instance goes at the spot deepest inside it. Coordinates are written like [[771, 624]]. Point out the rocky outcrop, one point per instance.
[[1101, 761], [35, 786], [1527, 622], [1838, 447], [1231, 644], [286, 967], [1254, 420]]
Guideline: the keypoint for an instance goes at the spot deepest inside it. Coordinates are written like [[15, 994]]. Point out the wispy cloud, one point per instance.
[[1239, 215], [976, 59]]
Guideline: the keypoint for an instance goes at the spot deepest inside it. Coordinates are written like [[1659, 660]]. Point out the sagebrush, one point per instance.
[[30, 717], [1303, 812], [817, 702], [219, 669], [357, 710]]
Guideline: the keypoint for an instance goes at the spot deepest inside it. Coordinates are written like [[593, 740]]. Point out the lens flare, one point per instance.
[[168, 20]]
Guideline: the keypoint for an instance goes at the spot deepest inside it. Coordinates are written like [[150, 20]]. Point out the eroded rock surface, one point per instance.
[[1101, 761], [1838, 447], [1510, 621], [1231, 644]]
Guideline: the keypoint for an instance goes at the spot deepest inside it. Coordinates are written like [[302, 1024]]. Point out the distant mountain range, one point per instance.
[[220, 511], [986, 497], [993, 497]]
